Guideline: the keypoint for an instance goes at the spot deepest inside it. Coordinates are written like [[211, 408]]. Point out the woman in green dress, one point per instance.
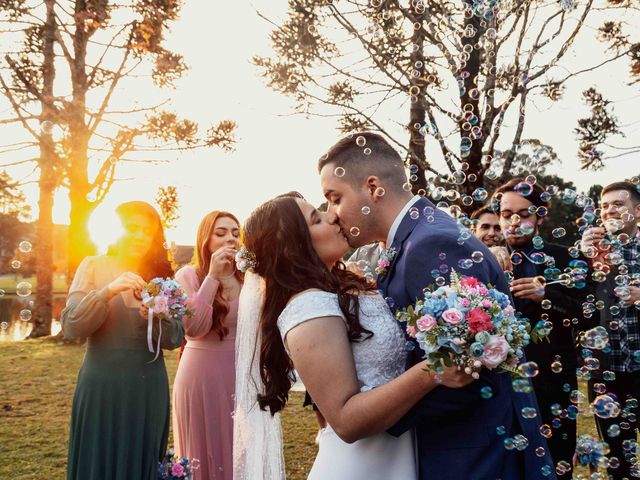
[[120, 418]]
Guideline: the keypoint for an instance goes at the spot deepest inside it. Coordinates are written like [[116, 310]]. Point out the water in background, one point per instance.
[[15, 325]]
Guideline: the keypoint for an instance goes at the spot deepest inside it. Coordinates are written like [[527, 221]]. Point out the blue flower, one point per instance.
[[498, 296], [434, 306]]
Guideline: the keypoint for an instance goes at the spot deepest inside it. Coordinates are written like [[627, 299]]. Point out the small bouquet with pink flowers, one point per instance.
[[173, 467], [467, 324], [165, 299]]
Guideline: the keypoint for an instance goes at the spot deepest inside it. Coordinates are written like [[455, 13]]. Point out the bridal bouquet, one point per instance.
[[173, 467], [165, 299], [469, 325]]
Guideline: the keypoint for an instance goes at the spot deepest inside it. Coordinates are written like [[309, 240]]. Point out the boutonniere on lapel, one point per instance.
[[385, 260]]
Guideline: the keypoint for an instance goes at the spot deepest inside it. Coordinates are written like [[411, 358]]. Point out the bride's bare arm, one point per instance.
[[322, 355]]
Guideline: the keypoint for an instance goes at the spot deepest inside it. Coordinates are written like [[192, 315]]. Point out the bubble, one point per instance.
[[531, 179], [361, 141], [556, 366], [414, 213], [540, 451], [608, 376], [24, 289], [441, 281], [546, 470], [559, 232], [465, 263], [509, 444], [546, 304], [477, 256], [367, 151], [613, 430], [542, 211], [339, 172], [597, 338], [379, 192], [523, 188], [25, 314], [406, 187], [529, 369], [500, 430], [390, 302], [592, 363], [365, 210], [47, 126], [480, 194], [16, 264], [516, 258], [520, 442], [354, 231], [2, 292], [486, 392], [4, 326], [529, 412], [25, 246], [521, 385], [604, 406]]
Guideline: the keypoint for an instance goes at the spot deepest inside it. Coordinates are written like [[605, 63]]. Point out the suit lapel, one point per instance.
[[404, 230]]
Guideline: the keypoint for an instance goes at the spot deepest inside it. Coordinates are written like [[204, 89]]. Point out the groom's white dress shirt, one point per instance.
[[396, 222]]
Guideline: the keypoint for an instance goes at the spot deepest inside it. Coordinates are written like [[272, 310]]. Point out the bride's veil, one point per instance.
[[257, 436]]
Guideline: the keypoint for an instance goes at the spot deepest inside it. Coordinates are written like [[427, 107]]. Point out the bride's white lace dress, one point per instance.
[[378, 360]]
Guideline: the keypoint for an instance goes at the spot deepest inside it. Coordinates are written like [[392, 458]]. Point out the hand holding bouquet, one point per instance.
[[469, 325], [165, 299]]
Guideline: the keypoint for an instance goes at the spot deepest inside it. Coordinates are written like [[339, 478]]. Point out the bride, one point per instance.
[[303, 309]]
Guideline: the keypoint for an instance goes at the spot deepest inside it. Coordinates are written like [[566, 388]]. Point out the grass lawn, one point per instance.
[[37, 385]]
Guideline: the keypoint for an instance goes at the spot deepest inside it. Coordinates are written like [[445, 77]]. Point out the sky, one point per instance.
[[276, 150]]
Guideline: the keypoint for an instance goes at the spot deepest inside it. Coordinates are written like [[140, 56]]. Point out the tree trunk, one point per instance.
[[417, 115], [47, 185], [471, 103], [80, 244]]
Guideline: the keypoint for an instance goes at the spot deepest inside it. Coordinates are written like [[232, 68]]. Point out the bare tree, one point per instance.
[[455, 78], [70, 59]]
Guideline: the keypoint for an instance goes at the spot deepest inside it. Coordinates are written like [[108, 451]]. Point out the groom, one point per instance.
[[461, 434]]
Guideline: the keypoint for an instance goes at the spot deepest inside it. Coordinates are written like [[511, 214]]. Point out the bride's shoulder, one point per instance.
[[311, 293], [307, 305]]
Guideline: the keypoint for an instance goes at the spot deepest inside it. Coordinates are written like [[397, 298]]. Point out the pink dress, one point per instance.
[[205, 382]]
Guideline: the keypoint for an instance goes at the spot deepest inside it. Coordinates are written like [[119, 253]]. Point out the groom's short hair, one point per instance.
[[351, 154]]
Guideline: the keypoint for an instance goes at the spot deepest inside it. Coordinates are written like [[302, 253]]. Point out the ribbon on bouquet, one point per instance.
[[150, 335]]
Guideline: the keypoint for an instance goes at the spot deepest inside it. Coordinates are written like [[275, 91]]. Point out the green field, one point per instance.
[[37, 383]]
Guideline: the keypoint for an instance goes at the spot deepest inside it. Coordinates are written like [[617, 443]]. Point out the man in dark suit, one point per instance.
[[461, 435], [536, 265]]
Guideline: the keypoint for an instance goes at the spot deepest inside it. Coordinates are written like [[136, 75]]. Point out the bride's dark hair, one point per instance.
[[277, 233]]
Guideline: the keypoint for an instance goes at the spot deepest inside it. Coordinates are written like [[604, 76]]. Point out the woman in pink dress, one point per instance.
[[204, 386]]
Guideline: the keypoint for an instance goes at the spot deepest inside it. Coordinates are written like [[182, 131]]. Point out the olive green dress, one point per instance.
[[120, 417]]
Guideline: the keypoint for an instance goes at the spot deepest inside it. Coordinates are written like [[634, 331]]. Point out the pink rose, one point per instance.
[[383, 263], [509, 311], [426, 323], [486, 303], [465, 302], [160, 304], [495, 351], [452, 316], [411, 331], [177, 470], [483, 291]]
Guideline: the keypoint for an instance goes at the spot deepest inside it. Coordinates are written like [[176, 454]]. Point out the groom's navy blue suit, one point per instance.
[[456, 428]]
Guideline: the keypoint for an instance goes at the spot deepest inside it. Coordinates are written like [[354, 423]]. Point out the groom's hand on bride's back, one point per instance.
[[451, 377]]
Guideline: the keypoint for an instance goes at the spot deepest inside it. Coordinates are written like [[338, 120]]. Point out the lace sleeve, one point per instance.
[[307, 306]]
